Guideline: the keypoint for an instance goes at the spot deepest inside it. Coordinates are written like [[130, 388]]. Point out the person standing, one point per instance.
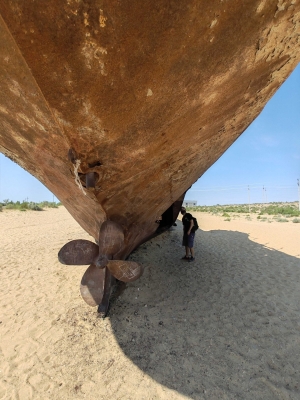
[[188, 235]]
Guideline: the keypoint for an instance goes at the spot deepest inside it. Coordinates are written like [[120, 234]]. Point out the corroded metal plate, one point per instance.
[[92, 285], [78, 252], [125, 271]]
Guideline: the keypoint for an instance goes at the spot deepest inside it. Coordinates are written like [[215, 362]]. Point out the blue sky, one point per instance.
[[263, 164], [266, 156]]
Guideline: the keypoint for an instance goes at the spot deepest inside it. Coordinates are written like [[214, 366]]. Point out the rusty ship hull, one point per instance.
[[119, 107]]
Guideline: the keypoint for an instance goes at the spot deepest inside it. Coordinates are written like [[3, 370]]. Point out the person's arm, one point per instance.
[[191, 226]]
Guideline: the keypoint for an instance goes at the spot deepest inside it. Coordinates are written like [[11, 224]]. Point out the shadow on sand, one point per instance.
[[226, 326]]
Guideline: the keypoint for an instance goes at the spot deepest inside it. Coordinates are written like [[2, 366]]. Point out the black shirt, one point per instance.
[[186, 220]]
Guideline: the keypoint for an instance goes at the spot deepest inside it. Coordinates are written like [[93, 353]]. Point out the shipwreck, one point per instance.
[[119, 107]]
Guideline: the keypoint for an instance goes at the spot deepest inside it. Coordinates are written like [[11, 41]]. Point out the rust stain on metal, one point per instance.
[[78, 252], [92, 285], [81, 95], [125, 271], [111, 238]]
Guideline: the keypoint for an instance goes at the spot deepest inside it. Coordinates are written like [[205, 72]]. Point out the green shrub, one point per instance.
[[275, 209], [296, 220], [23, 206], [11, 206], [48, 204], [227, 219], [225, 214], [282, 220], [278, 209], [34, 207]]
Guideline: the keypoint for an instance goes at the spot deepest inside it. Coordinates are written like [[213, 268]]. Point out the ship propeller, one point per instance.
[[101, 260]]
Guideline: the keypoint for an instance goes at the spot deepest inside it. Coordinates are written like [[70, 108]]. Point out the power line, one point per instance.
[[243, 194], [219, 189]]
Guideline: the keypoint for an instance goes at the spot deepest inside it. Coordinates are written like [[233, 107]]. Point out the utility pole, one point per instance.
[[263, 197], [249, 198], [298, 183]]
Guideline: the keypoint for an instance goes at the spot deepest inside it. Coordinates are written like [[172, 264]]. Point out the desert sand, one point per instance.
[[226, 326]]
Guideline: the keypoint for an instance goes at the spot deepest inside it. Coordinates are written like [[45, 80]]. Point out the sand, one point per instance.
[[224, 327]]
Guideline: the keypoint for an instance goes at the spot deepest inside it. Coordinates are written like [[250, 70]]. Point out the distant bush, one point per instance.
[[296, 220], [225, 214], [20, 206], [11, 206], [25, 205], [0, 207], [288, 210], [34, 207], [227, 219], [48, 204], [282, 220], [278, 209]]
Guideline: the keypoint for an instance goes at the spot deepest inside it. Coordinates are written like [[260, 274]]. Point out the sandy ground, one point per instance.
[[224, 327]]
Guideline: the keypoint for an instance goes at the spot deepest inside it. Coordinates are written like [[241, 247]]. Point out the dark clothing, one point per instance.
[[188, 240], [186, 221]]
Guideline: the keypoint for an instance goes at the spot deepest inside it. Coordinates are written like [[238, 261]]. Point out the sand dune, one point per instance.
[[224, 327]]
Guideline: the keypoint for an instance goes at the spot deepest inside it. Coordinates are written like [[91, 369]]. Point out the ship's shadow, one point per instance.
[[224, 326]]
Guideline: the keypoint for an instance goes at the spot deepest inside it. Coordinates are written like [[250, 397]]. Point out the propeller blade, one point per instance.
[[125, 271], [111, 238], [78, 252], [92, 285]]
